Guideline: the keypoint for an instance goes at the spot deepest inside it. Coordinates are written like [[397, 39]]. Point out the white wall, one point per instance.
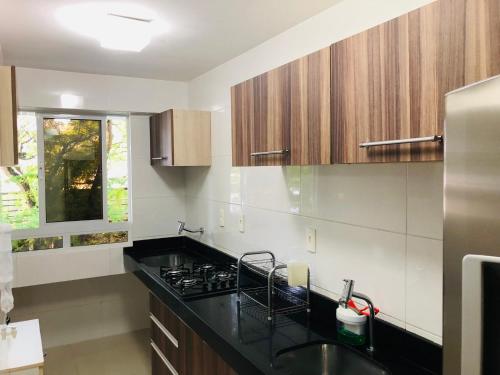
[[93, 306], [158, 198], [378, 224], [39, 88]]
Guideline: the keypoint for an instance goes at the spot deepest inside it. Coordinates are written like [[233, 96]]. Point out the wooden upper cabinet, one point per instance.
[[390, 82], [385, 87], [282, 117], [310, 109], [8, 117], [482, 38], [180, 138]]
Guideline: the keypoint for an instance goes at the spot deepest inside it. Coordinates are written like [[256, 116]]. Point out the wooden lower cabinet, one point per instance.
[[198, 358], [177, 349]]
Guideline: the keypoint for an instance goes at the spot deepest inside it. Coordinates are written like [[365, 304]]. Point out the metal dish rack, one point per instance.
[[276, 297]]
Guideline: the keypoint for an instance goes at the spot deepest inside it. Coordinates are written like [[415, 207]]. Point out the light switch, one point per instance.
[[311, 240], [242, 224], [222, 221]]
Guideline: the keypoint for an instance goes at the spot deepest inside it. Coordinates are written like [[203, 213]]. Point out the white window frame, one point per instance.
[[70, 228]]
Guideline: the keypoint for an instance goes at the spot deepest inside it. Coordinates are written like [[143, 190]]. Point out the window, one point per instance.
[[71, 182], [73, 169]]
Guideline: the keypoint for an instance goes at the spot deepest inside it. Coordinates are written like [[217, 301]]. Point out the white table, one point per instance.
[[22, 354]]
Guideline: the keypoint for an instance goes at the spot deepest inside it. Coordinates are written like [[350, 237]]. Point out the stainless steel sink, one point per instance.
[[326, 358]]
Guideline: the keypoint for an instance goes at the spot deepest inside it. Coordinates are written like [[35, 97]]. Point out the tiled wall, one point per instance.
[[158, 194], [378, 224]]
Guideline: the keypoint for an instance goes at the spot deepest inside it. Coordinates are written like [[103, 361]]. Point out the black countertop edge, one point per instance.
[[408, 348]]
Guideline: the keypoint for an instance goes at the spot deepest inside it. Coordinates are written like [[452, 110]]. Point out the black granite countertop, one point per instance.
[[247, 342]]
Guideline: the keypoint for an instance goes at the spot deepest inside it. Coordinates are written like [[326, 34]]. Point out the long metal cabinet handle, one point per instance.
[[160, 158], [164, 359], [434, 138], [275, 152]]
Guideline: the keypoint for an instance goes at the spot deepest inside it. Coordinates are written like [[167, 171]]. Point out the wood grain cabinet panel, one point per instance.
[[192, 356], [482, 38], [180, 138], [390, 82], [198, 358], [160, 133], [310, 109], [385, 87], [283, 115], [8, 117]]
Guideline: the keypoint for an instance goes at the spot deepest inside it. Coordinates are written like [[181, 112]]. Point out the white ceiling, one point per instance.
[[202, 35]]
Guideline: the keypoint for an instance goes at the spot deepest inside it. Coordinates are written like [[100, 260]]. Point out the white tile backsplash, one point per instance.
[[424, 284], [371, 195], [425, 200], [157, 217], [273, 188]]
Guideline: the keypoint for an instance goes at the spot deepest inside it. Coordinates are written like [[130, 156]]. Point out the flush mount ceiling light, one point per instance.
[[119, 26]]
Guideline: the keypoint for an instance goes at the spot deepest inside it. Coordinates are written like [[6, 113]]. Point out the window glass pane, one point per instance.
[[73, 170], [19, 184], [98, 238], [31, 244], [117, 168]]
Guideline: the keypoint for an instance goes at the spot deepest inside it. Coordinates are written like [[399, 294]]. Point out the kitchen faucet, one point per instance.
[[347, 294], [182, 228]]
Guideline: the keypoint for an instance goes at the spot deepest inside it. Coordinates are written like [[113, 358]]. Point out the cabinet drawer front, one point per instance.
[[164, 316], [165, 342], [159, 363]]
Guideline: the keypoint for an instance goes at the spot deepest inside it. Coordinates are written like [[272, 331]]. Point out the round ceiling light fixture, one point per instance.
[[118, 26]]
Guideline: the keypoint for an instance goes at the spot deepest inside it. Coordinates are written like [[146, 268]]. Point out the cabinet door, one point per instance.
[[160, 131], [261, 112], [191, 138], [385, 87], [310, 109], [482, 38], [8, 117], [282, 117], [198, 358]]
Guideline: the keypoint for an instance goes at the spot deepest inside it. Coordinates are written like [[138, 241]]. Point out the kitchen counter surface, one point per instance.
[[247, 342]]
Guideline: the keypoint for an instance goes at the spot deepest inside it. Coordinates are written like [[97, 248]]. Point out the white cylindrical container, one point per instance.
[[351, 327]]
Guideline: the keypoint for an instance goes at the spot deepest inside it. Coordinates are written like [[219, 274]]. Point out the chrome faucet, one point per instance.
[[347, 294], [182, 228]]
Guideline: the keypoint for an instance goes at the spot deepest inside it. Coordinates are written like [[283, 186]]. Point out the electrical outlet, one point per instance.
[[242, 224], [311, 240], [222, 221]]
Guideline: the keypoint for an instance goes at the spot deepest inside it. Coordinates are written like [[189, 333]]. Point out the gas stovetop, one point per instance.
[[192, 275]]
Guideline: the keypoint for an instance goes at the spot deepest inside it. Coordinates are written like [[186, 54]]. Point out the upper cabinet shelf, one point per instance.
[[8, 116], [385, 87], [180, 138], [282, 117]]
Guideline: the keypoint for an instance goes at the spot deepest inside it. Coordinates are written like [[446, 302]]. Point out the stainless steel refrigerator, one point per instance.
[[471, 334]]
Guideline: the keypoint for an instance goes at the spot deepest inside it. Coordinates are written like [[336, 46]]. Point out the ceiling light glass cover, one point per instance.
[[119, 26]]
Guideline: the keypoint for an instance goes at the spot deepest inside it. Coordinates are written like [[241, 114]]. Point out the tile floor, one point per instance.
[[126, 354]]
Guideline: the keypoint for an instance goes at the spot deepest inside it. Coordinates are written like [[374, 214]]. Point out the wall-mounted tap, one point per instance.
[[347, 294], [182, 228]]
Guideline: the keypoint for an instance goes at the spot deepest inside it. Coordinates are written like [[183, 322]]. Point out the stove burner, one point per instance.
[[223, 276], [207, 267], [185, 283], [173, 273]]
